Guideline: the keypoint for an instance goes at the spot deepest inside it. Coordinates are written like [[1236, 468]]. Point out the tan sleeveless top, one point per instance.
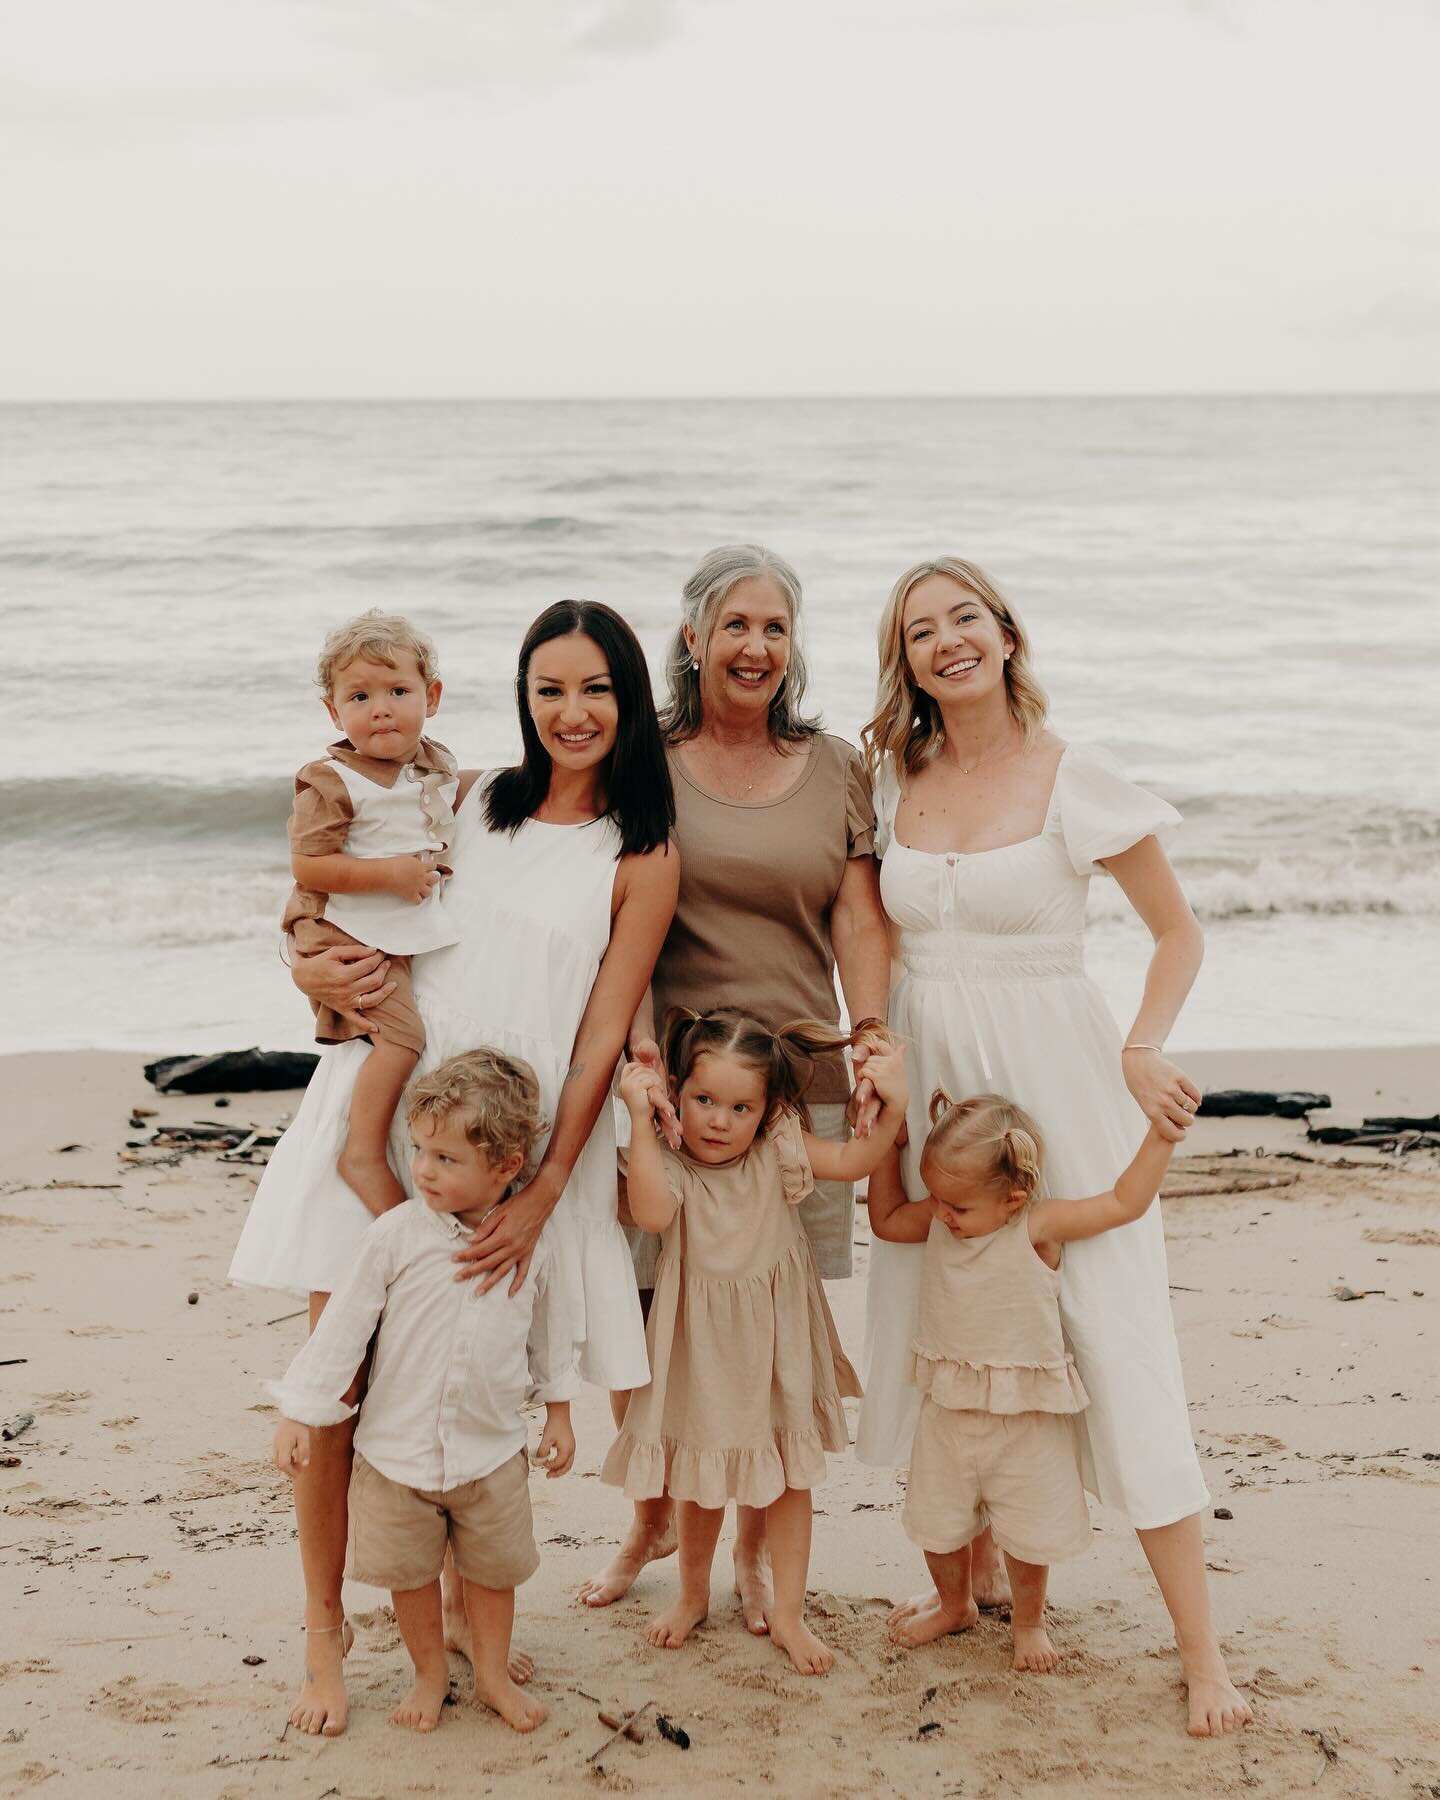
[[989, 1336]]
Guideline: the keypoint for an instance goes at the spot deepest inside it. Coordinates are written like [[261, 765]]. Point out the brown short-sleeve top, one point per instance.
[[757, 883]]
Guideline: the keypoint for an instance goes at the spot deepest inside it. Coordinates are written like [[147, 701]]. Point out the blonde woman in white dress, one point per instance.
[[989, 829]]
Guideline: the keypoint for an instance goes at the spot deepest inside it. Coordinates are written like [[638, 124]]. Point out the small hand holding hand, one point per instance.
[[648, 1080], [557, 1445], [291, 1452], [1165, 1094], [864, 1107], [415, 878], [885, 1070]]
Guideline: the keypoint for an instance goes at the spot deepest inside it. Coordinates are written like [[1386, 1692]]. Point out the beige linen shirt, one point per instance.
[[757, 884], [452, 1367]]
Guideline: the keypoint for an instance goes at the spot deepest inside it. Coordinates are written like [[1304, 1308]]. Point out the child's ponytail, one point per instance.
[[994, 1130]]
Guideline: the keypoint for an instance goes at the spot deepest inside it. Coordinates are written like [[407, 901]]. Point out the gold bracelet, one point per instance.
[[1157, 1048]]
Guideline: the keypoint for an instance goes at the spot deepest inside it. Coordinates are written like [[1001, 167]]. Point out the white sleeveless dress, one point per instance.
[[995, 998], [533, 913]]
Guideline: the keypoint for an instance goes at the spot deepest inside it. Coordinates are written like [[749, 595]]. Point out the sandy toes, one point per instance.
[[925, 1617], [420, 1709], [520, 1711], [616, 1579], [754, 1591], [670, 1630], [322, 1706], [1034, 1653], [800, 1644], [1215, 1707]]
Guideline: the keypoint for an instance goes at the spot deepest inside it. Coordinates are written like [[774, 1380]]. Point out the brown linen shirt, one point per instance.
[[757, 883]]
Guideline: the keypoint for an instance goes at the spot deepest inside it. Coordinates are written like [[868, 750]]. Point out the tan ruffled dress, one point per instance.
[[747, 1372]]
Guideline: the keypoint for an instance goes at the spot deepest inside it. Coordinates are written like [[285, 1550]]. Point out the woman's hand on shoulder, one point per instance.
[[506, 1237], [347, 978], [1162, 1090]]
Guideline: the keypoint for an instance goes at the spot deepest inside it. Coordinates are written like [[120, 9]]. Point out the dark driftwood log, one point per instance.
[[1259, 1103], [1430, 1124], [232, 1072]]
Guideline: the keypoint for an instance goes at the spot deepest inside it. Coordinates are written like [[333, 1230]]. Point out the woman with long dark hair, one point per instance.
[[564, 886]]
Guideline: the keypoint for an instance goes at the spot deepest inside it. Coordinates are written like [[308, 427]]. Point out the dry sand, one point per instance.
[[148, 1547]]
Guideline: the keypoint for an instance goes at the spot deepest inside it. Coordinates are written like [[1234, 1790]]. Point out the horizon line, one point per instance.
[[473, 399]]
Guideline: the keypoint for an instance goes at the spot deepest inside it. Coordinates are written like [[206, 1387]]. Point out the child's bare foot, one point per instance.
[[372, 1178], [520, 1711], [753, 1589], [1214, 1705], [519, 1664], [925, 1617], [990, 1583], [800, 1644], [671, 1629], [420, 1709], [643, 1544], [1034, 1653], [322, 1707]]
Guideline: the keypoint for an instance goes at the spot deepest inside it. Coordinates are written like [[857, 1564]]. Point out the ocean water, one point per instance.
[[1237, 596]]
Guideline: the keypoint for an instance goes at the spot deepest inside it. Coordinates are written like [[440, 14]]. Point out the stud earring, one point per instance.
[[694, 665]]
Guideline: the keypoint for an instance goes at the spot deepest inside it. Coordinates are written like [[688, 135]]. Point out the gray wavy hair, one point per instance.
[[704, 594]]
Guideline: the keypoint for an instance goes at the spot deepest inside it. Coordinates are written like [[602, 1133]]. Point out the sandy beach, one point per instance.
[[152, 1603]]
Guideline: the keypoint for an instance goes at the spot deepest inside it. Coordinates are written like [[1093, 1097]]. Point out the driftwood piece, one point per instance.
[[1259, 1103], [232, 1072]]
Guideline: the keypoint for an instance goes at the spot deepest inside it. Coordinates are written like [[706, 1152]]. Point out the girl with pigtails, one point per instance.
[[747, 1373], [1000, 1395]]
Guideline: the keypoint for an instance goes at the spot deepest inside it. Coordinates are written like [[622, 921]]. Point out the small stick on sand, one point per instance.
[[299, 1313], [623, 1727]]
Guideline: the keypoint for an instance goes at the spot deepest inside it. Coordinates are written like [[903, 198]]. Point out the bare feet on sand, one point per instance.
[[990, 1583], [642, 1545], [925, 1617], [520, 1711], [420, 1709], [520, 1665], [323, 1708], [1034, 1653], [372, 1178], [801, 1645], [754, 1591], [671, 1629], [1215, 1707]]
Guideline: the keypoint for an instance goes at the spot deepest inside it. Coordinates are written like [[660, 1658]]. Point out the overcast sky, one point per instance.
[[553, 197]]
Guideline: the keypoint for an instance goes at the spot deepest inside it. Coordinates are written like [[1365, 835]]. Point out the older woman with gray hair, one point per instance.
[[778, 893]]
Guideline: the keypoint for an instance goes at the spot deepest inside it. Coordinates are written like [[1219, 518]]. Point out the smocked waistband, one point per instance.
[[990, 956]]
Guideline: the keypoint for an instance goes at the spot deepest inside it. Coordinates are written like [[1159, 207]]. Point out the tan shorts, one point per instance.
[[1018, 1473], [398, 1535], [393, 1021]]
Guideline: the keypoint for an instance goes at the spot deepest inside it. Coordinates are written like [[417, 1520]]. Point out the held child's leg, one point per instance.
[[1176, 1554], [1034, 1653], [951, 1607], [754, 1587], [492, 1619], [362, 1163], [417, 1613], [322, 1521], [788, 1529], [698, 1531]]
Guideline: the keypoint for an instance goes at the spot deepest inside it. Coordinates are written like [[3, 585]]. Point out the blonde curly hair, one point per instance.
[[906, 727], [376, 636], [496, 1096]]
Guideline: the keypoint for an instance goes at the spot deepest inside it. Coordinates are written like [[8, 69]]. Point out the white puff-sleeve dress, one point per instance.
[[995, 998], [532, 912]]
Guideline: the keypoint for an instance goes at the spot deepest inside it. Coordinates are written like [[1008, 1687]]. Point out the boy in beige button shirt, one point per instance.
[[440, 1446]]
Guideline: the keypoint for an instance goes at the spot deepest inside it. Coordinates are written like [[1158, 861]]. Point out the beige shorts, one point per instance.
[[827, 1213], [398, 1535], [1018, 1473], [394, 1021]]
